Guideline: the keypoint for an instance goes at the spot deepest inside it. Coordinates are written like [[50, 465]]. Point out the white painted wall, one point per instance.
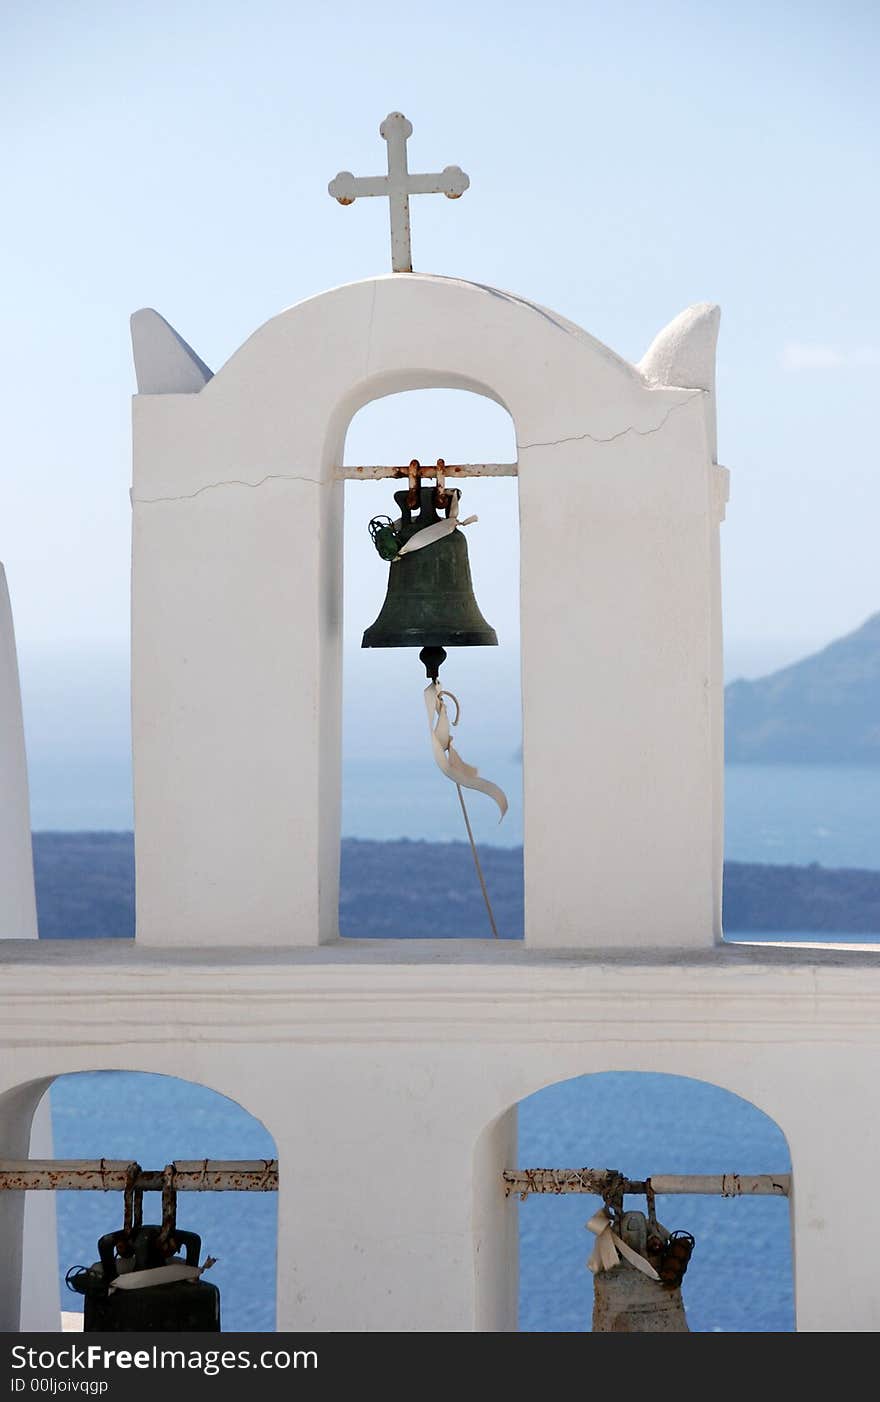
[[361, 1064], [236, 615]]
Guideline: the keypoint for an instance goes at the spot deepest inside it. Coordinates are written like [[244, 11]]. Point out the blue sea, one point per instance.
[[739, 1279], [776, 813]]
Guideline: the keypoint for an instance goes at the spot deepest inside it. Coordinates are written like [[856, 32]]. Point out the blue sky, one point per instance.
[[626, 160]]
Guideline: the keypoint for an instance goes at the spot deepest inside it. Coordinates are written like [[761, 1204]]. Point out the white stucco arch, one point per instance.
[[21, 1102], [496, 1218], [495, 1145], [237, 549]]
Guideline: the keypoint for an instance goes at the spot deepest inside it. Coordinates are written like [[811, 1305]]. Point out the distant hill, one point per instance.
[[822, 710], [85, 887]]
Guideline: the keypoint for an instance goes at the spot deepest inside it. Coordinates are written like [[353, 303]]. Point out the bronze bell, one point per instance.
[[430, 601], [627, 1302]]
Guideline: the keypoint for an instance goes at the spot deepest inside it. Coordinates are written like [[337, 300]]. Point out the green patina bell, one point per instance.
[[430, 601]]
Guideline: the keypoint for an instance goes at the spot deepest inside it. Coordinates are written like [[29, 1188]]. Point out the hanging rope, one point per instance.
[[448, 760], [467, 823], [463, 775]]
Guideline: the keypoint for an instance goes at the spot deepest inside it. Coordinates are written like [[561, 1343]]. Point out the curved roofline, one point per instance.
[[567, 327]]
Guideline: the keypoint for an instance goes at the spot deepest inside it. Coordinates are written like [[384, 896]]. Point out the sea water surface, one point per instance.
[[739, 1278], [801, 813], [777, 813]]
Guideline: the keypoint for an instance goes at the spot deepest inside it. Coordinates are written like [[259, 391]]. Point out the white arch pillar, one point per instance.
[[28, 1289], [18, 920], [835, 1223]]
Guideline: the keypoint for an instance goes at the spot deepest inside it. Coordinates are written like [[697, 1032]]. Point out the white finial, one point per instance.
[[398, 185]]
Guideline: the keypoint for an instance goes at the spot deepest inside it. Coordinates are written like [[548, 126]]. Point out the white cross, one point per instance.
[[398, 185]]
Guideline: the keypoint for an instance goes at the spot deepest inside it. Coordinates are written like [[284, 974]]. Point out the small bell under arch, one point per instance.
[[627, 1301], [430, 600]]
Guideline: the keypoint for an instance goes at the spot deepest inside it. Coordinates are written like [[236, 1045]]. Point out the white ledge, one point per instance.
[[116, 954]]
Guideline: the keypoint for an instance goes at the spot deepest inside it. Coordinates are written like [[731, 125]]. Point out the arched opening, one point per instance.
[[393, 793], [642, 1124], [155, 1119]]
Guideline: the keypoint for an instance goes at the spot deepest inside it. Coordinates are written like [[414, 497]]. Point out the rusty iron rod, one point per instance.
[[113, 1175], [461, 469], [261, 1176], [601, 1180]]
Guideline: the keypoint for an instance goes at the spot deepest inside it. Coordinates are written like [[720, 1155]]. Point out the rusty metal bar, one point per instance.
[[114, 1175], [461, 469], [101, 1174], [224, 1175], [600, 1181]]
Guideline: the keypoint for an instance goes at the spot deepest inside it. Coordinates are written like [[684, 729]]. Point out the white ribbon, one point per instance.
[[609, 1247], [448, 760], [435, 532], [159, 1275]]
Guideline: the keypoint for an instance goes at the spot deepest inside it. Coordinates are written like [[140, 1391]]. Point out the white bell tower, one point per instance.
[[402, 1061], [237, 597]]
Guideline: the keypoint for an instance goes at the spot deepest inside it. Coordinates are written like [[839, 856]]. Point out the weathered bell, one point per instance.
[[430, 600], [176, 1305], [627, 1302]]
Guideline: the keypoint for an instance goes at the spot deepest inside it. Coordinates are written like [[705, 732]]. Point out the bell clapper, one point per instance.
[[432, 658]]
